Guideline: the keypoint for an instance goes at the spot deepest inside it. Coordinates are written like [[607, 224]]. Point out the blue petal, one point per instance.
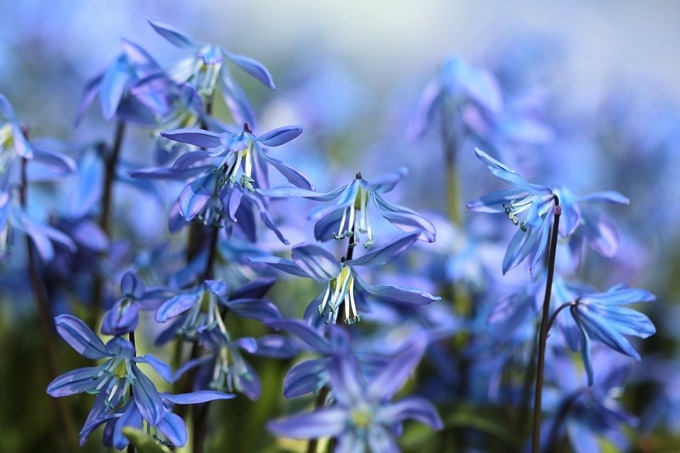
[[6, 109], [387, 382], [510, 176], [173, 427], [571, 211], [217, 288], [173, 35], [21, 145], [254, 309], [265, 217], [178, 304], [519, 248], [608, 324], [412, 408], [305, 332], [293, 175], [147, 399], [56, 161], [113, 86], [396, 293], [80, 337], [493, 202], [349, 196], [599, 233], [254, 68], [162, 368], [281, 264], [195, 196], [138, 56], [304, 378], [320, 423], [388, 252], [387, 182], [122, 318], [585, 351], [404, 218], [88, 190], [316, 262], [427, 106], [608, 196], [329, 225], [237, 100], [280, 136], [191, 364], [582, 437], [91, 89], [254, 289], [132, 286], [297, 192], [131, 417], [75, 381], [347, 380], [620, 296], [193, 136], [380, 440], [275, 346], [198, 397]]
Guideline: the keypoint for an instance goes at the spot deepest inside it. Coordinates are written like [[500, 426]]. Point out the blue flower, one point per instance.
[[362, 412], [349, 216], [199, 307], [585, 414], [600, 317], [341, 277], [111, 380], [13, 218], [457, 86], [123, 317], [170, 431], [208, 67], [114, 89], [225, 369], [527, 205], [581, 222]]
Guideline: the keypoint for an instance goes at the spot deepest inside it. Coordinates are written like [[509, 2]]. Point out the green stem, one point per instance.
[[543, 332]]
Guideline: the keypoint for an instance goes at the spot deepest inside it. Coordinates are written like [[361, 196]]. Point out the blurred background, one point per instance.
[[351, 72]]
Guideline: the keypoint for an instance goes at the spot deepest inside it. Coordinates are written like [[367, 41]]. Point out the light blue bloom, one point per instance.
[[362, 412], [349, 217]]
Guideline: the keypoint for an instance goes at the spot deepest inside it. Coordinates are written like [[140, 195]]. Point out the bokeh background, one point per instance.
[[351, 72]]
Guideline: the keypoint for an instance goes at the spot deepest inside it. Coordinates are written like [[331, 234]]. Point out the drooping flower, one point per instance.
[[208, 67], [527, 205], [349, 217], [199, 307], [225, 368], [341, 279], [363, 412], [457, 87], [601, 318], [113, 86]]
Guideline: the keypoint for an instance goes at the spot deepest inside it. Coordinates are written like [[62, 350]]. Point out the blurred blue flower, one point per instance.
[[362, 412], [208, 67], [600, 317]]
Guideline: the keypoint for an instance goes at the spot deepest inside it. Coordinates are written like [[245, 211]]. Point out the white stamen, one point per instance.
[[342, 225], [325, 297], [351, 218], [351, 297]]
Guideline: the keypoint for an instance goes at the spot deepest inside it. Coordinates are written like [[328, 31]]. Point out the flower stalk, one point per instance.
[[543, 331]]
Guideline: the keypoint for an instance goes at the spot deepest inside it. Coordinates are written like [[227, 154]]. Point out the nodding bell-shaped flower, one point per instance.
[[208, 67], [527, 206], [341, 279], [349, 217]]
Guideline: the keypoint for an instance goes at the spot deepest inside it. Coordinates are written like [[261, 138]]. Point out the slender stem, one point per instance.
[[131, 448], [200, 412], [559, 309], [543, 332], [450, 143], [46, 320], [526, 392], [320, 401], [111, 162]]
